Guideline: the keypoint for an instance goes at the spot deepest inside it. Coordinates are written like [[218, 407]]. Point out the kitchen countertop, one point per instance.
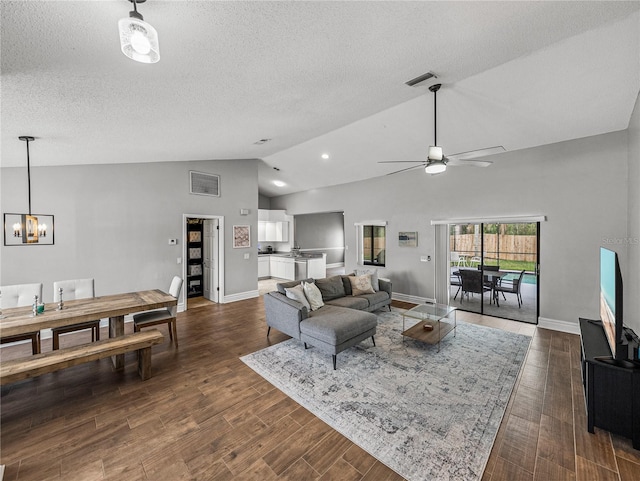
[[289, 255]]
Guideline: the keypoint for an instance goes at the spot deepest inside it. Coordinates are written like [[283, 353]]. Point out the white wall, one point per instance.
[[584, 204], [113, 223], [632, 278]]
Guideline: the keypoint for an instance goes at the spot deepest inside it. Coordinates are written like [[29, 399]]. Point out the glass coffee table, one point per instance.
[[435, 321]]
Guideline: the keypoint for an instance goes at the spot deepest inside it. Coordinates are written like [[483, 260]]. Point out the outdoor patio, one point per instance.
[[507, 308]]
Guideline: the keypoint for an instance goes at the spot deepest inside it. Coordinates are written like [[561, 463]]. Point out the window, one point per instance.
[[373, 243]]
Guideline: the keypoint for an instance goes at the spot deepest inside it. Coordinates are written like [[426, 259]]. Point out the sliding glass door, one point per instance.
[[494, 269]]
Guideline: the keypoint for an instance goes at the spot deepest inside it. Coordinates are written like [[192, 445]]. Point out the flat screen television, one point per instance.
[[611, 302]]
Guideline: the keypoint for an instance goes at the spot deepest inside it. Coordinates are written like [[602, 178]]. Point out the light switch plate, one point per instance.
[[173, 242]]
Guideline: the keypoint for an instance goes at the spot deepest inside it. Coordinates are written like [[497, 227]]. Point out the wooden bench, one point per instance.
[[32, 366]]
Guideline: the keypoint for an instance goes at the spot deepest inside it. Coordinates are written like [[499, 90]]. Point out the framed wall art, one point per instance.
[[241, 236], [408, 239]]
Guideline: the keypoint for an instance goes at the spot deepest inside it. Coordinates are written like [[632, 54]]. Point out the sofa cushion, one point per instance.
[[330, 287], [351, 302], [335, 325], [361, 285], [281, 286], [297, 294], [374, 277], [313, 295], [375, 298], [347, 285]]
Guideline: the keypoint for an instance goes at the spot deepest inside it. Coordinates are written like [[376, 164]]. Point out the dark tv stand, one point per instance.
[[611, 388]]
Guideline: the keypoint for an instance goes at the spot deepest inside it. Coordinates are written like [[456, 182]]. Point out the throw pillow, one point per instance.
[[330, 287], [313, 295], [297, 294], [361, 285], [374, 277]]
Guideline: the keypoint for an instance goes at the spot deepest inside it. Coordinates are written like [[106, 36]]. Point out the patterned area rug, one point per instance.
[[427, 415]]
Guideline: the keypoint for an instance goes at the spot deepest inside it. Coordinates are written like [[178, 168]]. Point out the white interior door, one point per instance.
[[210, 259]]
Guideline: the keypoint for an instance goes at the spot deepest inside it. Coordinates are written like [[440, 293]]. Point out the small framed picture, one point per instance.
[[241, 236], [408, 239]]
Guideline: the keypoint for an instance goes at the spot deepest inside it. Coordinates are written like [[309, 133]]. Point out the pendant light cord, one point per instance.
[[28, 139], [29, 176]]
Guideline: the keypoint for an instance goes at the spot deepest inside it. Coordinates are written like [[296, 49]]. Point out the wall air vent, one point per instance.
[[204, 184]]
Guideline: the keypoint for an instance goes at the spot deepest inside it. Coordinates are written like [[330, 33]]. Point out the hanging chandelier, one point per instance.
[[28, 229]]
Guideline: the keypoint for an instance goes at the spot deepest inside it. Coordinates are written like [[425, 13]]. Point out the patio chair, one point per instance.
[[456, 281], [512, 286], [472, 283], [458, 259]]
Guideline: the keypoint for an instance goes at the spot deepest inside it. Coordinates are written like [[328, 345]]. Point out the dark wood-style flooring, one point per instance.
[[204, 415]]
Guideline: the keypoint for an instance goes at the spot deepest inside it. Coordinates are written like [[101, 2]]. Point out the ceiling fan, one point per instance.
[[436, 161]]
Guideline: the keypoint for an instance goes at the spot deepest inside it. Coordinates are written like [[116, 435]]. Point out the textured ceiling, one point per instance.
[[313, 76]]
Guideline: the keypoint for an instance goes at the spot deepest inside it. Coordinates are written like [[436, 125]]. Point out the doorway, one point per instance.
[[203, 267], [494, 269]]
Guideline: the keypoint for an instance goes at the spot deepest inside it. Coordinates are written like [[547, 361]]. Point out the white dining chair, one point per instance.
[[71, 290], [19, 295], [162, 316]]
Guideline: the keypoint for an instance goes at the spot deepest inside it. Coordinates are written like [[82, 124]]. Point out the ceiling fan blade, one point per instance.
[[469, 163], [408, 168], [475, 154], [397, 161]]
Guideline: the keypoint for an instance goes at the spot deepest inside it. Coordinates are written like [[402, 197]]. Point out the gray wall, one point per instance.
[[583, 202], [321, 231], [632, 278], [113, 222], [264, 202]]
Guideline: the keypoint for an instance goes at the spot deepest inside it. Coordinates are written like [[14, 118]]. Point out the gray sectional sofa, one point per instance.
[[343, 321]]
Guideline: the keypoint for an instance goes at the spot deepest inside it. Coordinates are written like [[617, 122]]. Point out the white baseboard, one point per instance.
[[557, 325], [407, 298], [241, 296]]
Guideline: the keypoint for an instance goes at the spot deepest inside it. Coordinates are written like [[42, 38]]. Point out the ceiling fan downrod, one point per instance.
[[434, 88]]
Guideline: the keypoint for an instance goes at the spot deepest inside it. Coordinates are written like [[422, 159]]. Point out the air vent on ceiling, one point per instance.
[[204, 184], [420, 79]]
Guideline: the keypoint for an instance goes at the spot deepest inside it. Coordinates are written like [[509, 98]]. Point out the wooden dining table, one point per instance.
[[20, 320]]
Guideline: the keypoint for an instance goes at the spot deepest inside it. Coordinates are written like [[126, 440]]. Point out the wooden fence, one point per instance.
[[496, 246]]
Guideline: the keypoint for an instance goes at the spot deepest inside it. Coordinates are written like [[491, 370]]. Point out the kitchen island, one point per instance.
[[285, 265]]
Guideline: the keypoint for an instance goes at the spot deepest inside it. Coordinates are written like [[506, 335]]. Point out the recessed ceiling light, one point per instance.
[[325, 156], [279, 183]]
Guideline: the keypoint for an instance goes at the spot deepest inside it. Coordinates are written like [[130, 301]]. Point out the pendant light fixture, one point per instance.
[[138, 39], [436, 162], [28, 229]]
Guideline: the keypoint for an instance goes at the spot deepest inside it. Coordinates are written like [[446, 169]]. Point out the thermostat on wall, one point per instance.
[[173, 242]]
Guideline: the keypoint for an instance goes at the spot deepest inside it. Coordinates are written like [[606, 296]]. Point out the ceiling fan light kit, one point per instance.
[[435, 167], [138, 39]]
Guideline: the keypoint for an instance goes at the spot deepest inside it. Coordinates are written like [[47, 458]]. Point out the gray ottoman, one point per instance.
[[333, 329]]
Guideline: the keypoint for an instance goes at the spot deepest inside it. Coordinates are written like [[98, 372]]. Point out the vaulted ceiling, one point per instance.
[[314, 77]]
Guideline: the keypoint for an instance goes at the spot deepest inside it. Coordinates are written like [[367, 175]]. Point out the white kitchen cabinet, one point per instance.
[[317, 267], [262, 231], [269, 231], [264, 267], [282, 231], [282, 267]]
